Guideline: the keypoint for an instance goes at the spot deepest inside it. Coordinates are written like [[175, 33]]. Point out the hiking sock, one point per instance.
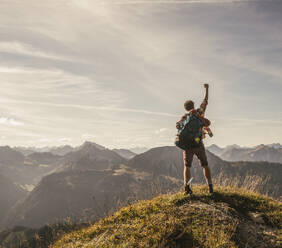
[[186, 181], [211, 188]]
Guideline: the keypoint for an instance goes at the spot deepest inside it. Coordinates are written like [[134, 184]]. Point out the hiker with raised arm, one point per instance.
[[192, 128]]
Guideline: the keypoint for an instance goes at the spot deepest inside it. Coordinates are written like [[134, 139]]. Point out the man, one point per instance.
[[199, 149]]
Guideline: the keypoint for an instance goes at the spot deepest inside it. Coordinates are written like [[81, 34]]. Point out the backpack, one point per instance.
[[190, 133]]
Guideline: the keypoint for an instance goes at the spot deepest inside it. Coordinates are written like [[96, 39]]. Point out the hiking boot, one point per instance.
[[211, 188], [188, 190]]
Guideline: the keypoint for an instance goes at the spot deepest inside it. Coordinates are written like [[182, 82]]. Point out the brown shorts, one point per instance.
[[200, 152]]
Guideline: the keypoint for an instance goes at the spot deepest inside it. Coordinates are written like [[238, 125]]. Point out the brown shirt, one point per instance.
[[203, 106], [200, 111]]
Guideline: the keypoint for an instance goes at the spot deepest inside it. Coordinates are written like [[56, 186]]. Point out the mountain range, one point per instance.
[[90, 182], [270, 153], [63, 150]]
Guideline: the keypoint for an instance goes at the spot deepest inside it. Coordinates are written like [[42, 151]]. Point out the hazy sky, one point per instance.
[[117, 72]]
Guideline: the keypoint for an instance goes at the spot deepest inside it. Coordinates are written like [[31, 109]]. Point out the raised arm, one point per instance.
[[207, 91], [205, 101]]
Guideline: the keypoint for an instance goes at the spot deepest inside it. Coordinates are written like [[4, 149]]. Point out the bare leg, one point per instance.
[[187, 174], [207, 174], [187, 159]]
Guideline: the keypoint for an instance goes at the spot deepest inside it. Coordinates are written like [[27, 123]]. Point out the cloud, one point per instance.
[[64, 140], [11, 70], [161, 130], [89, 107], [15, 47], [10, 122], [87, 136], [44, 140]]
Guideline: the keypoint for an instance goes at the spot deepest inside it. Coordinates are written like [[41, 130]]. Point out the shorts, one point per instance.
[[200, 152]]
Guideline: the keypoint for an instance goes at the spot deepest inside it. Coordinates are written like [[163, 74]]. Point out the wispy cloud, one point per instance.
[[26, 49], [10, 122], [161, 130], [65, 140], [87, 136], [88, 107]]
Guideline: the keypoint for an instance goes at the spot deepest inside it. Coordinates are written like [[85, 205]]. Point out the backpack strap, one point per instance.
[[206, 122]]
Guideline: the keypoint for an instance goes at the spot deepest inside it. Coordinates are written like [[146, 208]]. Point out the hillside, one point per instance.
[[228, 218], [83, 196], [10, 193]]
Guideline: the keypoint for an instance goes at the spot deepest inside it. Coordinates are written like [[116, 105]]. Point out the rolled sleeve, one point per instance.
[[203, 106]]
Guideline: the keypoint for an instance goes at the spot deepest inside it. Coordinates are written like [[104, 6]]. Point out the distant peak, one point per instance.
[[214, 146], [275, 145], [92, 144], [233, 146]]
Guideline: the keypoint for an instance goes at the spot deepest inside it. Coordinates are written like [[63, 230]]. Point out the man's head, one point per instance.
[[189, 105]]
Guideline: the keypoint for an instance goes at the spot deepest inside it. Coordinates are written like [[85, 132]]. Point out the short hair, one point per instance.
[[188, 105]]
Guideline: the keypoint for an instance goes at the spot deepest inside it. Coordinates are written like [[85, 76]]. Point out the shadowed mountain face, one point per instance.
[[85, 195], [10, 193], [161, 160], [168, 161], [127, 154]]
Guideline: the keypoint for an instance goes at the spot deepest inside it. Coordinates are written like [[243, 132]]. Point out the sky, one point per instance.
[[117, 72]]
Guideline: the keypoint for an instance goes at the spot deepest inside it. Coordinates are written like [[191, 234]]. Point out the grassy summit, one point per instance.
[[229, 218]]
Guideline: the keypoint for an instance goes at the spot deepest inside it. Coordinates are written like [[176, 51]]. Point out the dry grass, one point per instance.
[[176, 220]]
